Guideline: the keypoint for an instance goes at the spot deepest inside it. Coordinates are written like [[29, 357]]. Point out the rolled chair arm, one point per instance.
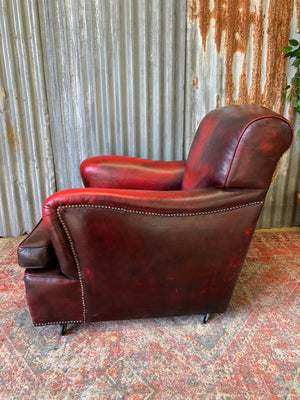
[[132, 247], [76, 207], [131, 173], [36, 250], [197, 200]]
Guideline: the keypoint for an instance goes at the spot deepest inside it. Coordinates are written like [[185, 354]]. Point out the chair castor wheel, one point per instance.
[[204, 318]]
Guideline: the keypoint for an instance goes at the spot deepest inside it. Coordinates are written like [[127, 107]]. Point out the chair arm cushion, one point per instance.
[[36, 250], [122, 172]]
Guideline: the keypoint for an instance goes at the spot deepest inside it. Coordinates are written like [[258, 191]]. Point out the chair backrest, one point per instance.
[[237, 147]]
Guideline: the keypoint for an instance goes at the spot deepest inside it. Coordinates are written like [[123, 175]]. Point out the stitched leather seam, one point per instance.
[[152, 213], [76, 262]]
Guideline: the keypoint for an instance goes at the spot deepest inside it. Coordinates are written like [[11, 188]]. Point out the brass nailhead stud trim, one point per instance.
[[128, 210], [76, 261]]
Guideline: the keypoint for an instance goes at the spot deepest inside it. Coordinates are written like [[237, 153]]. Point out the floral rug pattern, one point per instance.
[[250, 352]]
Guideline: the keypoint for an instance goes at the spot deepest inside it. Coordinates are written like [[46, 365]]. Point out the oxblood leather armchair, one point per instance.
[[155, 238]]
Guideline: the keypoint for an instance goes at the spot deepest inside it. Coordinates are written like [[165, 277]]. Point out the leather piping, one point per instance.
[[244, 130], [153, 213]]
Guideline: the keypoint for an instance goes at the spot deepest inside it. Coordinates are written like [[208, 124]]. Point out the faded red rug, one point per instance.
[[250, 352]]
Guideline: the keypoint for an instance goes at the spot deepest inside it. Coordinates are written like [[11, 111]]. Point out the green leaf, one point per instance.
[[287, 48], [291, 93], [298, 134], [292, 54], [289, 54], [295, 102], [293, 42], [298, 119], [296, 63]]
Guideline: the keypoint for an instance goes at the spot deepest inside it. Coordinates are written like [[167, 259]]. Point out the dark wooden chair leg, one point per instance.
[[63, 329], [204, 318]]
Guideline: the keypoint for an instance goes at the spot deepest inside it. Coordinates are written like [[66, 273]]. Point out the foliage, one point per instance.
[[292, 91]]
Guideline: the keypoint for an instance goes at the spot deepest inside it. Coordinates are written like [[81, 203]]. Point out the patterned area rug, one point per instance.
[[250, 352]]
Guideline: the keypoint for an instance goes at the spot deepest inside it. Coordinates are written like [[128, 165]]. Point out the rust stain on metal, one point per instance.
[[280, 14], [12, 138], [258, 37], [196, 83], [236, 23], [199, 10], [220, 16]]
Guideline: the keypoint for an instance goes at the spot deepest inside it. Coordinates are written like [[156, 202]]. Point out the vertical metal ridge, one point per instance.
[[179, 79], [26, 156], [129, 139], [140, 88], [100, 72]]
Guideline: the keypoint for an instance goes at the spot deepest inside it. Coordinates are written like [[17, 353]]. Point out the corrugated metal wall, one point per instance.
[[115, 73], [234, 56], [26, 162], [134, 77]]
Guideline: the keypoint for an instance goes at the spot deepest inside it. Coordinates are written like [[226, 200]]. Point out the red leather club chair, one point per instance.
[[155, 238]]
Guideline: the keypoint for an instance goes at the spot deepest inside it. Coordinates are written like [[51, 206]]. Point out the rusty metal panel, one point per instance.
[[115, 79], [26, 163], [233, 55]]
